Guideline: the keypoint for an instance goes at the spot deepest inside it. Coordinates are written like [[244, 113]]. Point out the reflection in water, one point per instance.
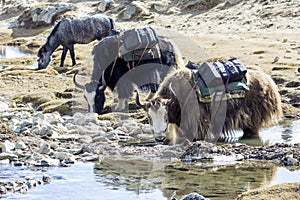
[[13, 52], [286, 132], [115, 179], [218, 182], [289, 132]]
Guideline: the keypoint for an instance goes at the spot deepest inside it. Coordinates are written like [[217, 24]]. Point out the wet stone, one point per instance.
[[46, 179], [3, 190]]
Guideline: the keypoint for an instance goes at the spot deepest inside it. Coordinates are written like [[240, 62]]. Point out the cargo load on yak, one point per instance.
[[224, 76], [139, 44]]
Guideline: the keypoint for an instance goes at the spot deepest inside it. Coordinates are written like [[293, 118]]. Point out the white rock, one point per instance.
[[3, 106], [62, 155], [20, 145], [4, 156], [45, 149], [7, 146]]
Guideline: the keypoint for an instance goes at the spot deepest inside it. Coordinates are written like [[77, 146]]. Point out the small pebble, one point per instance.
[[46, 179]]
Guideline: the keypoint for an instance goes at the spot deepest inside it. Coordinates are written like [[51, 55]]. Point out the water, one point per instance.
[[287, 131], [13, 52], [7, 52], [136, 179]]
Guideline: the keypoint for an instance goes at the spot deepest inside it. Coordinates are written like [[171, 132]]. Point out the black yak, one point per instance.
[[111, 70]]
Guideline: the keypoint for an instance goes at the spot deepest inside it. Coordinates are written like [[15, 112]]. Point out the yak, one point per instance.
[[112, 71], [70, 31], [176, 114]]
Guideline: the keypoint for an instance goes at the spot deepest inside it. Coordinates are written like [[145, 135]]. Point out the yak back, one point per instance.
[[84, 30]]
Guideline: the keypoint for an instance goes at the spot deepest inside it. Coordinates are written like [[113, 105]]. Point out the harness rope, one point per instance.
[[190, 93]]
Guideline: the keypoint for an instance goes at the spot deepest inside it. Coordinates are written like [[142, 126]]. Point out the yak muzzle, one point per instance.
[[160, 137]]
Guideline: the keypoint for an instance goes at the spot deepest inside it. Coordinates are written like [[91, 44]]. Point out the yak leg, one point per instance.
[[71, 48], [250, 133], [174, 135], [63, 56], [124, 89]]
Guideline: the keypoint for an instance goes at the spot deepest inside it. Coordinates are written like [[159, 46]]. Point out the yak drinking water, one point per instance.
[[179, 112], [68, 32], [113, 71]]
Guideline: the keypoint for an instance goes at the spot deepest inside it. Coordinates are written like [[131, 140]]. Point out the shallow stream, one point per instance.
[[128, 178]]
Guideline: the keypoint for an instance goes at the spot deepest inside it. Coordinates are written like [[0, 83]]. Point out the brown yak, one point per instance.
[[175, 114]]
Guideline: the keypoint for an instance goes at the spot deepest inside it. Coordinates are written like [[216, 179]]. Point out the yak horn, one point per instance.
[[103, 86], [77, 84], [137, 100], [171, 89]]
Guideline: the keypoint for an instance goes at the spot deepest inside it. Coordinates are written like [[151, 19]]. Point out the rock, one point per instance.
[[100, 138], [135, 10], [45, 149], [91, 158], [46, 179], [106, 5], [3, 106], [43, 15], [63, 156], [31, 183], [233, 2], [10, 156], [160, 6], [85, 139], [147, 129], [3, 190], [83, 119], [7, 146], [276, 59], [287, 57], [47, 162], [20, 145], [288, 50], [193, 196]]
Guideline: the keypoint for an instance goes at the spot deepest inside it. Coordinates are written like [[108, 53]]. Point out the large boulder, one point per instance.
[[43, 15]]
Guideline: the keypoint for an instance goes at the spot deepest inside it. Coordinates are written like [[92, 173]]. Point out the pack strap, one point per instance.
[[144, 51]]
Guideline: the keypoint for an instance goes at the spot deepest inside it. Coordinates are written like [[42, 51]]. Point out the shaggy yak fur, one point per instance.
[[186, 118], [68, 32]]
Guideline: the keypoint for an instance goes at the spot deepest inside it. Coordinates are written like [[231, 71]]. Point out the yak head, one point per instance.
[[163, 117], [44, 57], [93, 94]]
